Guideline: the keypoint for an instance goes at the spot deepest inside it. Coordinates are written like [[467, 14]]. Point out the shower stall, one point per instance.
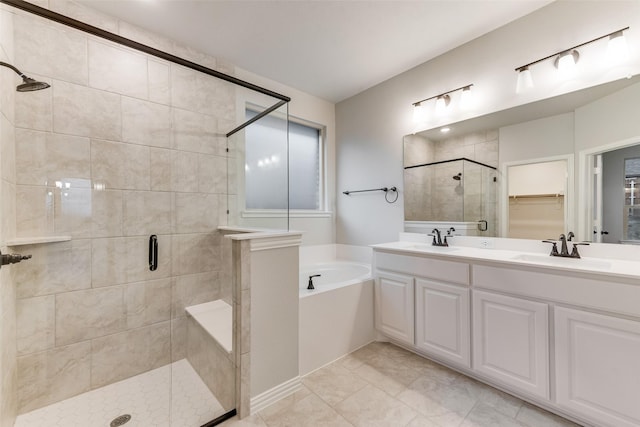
[[116, 178], [452, 191]]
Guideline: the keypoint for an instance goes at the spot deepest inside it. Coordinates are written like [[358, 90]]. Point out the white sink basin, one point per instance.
[[565, 262]]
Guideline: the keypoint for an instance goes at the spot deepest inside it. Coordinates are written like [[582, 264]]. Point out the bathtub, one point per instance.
[[333, 275], [337, 317]]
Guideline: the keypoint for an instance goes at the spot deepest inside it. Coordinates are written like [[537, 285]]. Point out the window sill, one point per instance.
[[275, 213]]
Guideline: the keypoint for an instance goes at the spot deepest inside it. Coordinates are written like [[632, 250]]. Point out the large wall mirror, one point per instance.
[[567, 163]]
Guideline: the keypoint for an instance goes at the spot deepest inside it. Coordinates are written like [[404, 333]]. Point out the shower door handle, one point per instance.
[[153, 252], [483, 225]]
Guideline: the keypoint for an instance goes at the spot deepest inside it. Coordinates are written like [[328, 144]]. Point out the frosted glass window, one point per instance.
[[266, 178]]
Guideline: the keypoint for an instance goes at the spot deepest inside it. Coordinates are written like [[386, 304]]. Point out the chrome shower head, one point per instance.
[[28, 84], [457, 177]]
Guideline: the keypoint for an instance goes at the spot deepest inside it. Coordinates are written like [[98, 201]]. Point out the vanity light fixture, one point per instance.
[[442, 102], [617, 50], [565, 60]]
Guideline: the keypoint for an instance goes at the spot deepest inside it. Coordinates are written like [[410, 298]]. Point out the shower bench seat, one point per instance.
[[216, 318]]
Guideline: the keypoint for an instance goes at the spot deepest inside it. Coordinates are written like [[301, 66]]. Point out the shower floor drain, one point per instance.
[[121, 420]]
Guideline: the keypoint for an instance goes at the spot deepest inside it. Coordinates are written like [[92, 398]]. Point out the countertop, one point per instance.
[[597, 266]]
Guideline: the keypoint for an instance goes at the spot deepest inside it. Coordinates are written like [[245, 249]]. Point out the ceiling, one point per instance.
[[330, 49]]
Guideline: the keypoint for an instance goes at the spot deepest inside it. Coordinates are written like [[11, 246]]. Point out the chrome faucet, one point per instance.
[[437, 238], [564, 250]]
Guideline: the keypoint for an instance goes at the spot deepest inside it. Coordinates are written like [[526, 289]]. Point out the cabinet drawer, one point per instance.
[[448, 271], [604, 295]]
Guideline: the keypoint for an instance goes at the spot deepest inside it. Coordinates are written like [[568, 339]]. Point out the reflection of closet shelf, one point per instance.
[[536, 196], [21, 241]]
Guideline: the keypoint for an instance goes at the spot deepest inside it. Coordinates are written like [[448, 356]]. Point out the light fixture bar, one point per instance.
[[522, 67], [415, 104]]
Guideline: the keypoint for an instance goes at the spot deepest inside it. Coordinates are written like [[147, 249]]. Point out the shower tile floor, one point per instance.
[[147, 397], [383, 385]]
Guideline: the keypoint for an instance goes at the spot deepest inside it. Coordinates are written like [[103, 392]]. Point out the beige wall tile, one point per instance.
[[194, 131], [106, 213], [161, 159], [146, 123], [35, 211], [195, 253], [35, 324], [50, 49], [84, 14], [212, 364], [195, 213], [87, 314], [56, 267], [212, 174], [159, 90], [146, 212], [193, 289], [137, 259], [178, 338], [53, 375], [126, 260], [45, 158], [7, 150], [82, 111], [129, 353], [184, 171], [72, 213], [192, 90], [117, 70], [147, 302], [35, 109], [120, 166], [8, 206], [108, 256]]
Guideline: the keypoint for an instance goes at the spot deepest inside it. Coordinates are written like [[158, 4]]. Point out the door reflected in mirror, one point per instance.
[[537, 202]]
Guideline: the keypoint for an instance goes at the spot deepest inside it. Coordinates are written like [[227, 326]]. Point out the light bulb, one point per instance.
[[525, 81], [617, 50], [441, 103], [566, 63]]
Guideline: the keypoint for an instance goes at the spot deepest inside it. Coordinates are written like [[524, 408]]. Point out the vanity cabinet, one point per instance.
[[510, 341], [442, 321], [429, 297], [597, 361], [394, 314]]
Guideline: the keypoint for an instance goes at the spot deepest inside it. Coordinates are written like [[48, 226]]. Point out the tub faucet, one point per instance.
[[311, 281]]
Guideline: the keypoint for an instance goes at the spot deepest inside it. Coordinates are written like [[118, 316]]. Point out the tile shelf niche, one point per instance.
[[21, 241]]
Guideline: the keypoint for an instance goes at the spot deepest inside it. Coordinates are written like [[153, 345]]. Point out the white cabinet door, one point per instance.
[[511, 341], [442, 321], [598, 366], [394, 306]]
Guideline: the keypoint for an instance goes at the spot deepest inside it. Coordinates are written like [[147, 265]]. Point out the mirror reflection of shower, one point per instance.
[[28, 84]]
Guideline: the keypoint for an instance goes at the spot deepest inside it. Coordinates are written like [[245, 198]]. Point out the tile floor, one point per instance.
[[384, 385], [173, 395]]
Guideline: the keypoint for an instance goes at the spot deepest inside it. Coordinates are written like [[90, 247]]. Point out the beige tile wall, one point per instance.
[[122, 146], [432, 194], [8, 345]]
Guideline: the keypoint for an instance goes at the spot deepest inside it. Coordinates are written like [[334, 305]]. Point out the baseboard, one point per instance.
[[278, 392]]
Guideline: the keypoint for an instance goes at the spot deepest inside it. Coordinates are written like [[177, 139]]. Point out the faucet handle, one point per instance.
[[574, 251], [554, 249]]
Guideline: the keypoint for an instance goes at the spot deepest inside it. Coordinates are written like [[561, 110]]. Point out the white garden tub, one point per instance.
[[336, 317]]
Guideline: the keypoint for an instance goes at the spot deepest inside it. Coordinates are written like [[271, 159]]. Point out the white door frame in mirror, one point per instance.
[[569, 201], [586, 184]]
